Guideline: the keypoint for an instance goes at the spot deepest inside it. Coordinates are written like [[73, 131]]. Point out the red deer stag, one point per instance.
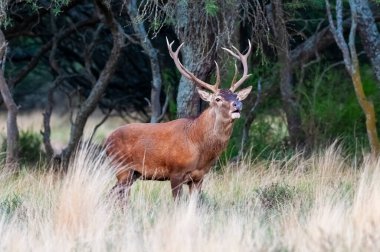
[[182, 150]]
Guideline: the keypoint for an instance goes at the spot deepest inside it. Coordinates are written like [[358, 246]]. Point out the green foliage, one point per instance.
[[276, 195], [211, 8], [5, 22], [10, 204], [268, 132], [30, 6], [2, 151], [57, 6], [30, 144], [330, 108], [169, 80], [305, 4], [30, 147]]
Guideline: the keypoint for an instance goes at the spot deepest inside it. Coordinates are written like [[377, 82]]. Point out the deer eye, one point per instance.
[[217, 99]]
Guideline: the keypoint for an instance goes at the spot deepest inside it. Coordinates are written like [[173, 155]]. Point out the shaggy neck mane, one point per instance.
[[211, 130]]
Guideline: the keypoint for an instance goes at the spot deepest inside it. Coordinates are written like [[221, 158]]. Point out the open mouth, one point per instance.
[[235, 114]]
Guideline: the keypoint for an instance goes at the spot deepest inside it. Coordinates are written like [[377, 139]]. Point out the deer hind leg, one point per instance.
[[125, 179]]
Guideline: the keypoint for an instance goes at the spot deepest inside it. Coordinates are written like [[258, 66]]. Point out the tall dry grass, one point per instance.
[[321, 203]]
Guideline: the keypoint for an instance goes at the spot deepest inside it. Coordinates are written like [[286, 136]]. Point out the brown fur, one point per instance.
[[181, 151]]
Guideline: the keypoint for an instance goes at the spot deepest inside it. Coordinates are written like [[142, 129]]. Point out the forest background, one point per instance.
[[75, 57]]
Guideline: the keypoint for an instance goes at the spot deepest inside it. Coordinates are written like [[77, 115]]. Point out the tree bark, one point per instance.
[[193, 58], [89, 105], [11, 161], [188, 101], [291, 106], [369, 111], [369, 34]]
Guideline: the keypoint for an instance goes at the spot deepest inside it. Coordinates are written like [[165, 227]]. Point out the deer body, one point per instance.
[[190, 147], [183, 150]]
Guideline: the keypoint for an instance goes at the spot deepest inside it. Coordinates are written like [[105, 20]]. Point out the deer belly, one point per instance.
[[149, 173], [196, 175]]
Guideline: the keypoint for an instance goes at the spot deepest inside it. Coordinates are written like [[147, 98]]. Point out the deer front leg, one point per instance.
[[195, 179], [176, 183], [125, 179], [195, 186]]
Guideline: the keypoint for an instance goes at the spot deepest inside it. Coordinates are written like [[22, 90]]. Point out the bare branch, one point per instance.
[[100, 124], [338, 31], [250, 117], [47, 114], [89, 105], [88, 52], [165, 106], [45, 48], [351, 39]]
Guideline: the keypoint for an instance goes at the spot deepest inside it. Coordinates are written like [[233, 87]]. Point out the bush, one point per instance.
[[30, 147], [30, 144], [275, 195]]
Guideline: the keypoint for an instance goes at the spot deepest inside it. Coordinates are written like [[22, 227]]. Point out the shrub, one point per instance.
[[30, 144], [275, 195], [30, 147]]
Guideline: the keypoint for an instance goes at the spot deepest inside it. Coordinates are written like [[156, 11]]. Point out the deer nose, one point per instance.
[[237, 105]]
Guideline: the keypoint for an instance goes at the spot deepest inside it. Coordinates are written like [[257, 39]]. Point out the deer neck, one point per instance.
[[211, 130]]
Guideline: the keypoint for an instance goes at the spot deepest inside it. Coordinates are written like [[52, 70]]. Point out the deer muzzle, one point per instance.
[[236, 109]]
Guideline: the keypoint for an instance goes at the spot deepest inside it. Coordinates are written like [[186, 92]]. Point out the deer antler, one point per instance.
[[187, 74], [243, 59]]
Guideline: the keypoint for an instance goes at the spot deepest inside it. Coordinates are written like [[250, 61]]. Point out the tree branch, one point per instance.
[[152, 53], [89, 105], [45, 48]]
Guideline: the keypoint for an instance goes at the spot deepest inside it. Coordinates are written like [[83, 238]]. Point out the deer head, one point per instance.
[[227, 102]]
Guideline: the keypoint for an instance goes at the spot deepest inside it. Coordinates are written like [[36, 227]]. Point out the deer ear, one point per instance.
[[242, 94], [206, 96]]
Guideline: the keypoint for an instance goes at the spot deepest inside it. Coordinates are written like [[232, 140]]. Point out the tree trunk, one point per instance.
[[193, 58], [291, 106], [369, 112], [138, 26], [188, 101], [11, 161], [351, 63], [89, 105], [369, 34]]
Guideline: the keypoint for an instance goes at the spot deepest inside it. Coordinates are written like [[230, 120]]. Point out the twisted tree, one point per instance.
[[11, 161], [351, 63]]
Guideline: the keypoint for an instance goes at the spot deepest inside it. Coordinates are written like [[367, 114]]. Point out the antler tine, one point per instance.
[[174, 56], [235, 74], [217, 82], [186, 73], [231, 52], [243, 59]]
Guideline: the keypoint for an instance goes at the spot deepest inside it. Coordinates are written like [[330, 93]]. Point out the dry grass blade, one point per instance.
[[319, 203]]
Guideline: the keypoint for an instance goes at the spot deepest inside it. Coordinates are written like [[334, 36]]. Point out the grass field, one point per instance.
[[326, 202]]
